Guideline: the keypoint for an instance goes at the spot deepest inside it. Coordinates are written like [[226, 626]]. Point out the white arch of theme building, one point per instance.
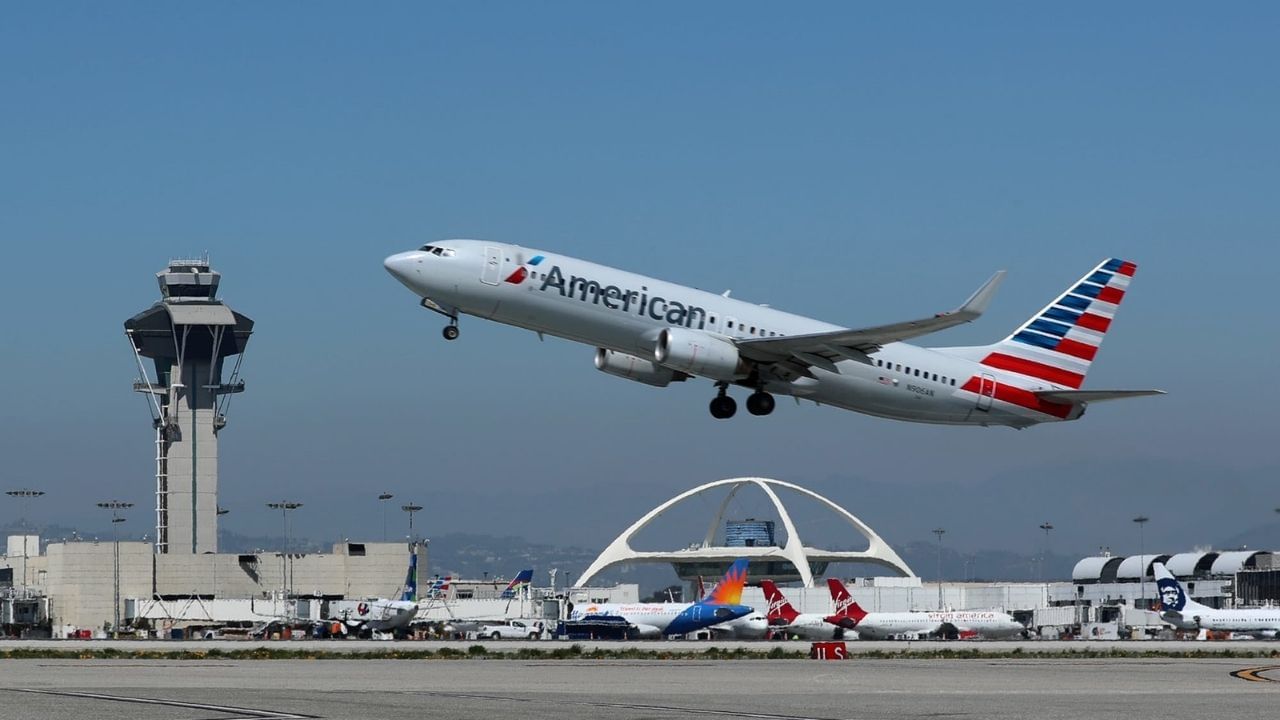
[[795, 551]]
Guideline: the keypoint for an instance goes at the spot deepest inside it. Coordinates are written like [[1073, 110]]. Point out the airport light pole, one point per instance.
[[939, 532], [1044, 554], [115, 506], [411, 509], [286, 564], [24, 497], [1142, 520], [382, 500]]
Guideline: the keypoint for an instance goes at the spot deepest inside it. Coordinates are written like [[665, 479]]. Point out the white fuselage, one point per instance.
[[625, 312], [377, 615], [985, 623], [810, 626], [1263, 622]]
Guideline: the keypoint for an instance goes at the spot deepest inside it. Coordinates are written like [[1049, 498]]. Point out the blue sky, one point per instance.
[[859, 163]]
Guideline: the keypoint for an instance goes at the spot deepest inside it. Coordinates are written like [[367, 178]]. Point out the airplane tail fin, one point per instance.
[[410, 592], [780, 610], [846, 607], [1173, 597], [522, 580], [729, 590], [1059, 343]]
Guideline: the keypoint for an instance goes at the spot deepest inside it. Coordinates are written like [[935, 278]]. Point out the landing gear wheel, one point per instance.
[[723, 407], [450, 332], [760, 403]]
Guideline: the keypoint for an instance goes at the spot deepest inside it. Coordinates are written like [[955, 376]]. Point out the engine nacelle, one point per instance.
[[636, 368], [699, 353], [647, 632]]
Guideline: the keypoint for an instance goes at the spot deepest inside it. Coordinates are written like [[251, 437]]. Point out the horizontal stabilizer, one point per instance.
[[1084, 396]]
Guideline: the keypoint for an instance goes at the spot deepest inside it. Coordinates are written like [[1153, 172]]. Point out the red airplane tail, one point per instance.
[[846, 608], [780, 610]]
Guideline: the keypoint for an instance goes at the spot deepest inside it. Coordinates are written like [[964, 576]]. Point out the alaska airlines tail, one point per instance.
[[1173, 597], [1058, 344], [846, 608], [410, 592], [522, 580], [780, 610], [729, 590]]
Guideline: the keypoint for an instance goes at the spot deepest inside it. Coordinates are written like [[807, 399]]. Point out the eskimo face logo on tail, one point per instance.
[[1171, 595]]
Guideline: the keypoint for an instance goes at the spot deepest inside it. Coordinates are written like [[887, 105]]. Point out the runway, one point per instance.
[[634, 690]]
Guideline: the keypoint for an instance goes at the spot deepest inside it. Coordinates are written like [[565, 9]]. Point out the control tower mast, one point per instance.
[[188, 335]]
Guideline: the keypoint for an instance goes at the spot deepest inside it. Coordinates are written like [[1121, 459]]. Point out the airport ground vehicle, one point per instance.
[[512, 630]]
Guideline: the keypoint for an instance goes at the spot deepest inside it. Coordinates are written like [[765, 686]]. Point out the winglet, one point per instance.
[[980, 299]]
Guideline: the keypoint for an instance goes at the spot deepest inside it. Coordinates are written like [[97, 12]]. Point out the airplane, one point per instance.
[[365, 617], [653, 620], [657, 333], [785, 620], [947, 624], [1178, 609]]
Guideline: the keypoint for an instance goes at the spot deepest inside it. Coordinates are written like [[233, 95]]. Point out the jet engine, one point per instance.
[[647, 632], [636, 368], [699, 353]]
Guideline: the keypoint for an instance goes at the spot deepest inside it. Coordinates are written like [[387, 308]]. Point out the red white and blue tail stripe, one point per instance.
[[1058, 344]]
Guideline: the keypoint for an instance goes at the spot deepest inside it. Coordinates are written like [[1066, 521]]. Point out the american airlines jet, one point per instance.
[[1180, 610], [657, 333]]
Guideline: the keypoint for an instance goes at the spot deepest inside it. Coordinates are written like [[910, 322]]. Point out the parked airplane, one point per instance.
[[657, 333], [948, 624], [365, 617], [1178, 609], [785, 620], [652, 620]]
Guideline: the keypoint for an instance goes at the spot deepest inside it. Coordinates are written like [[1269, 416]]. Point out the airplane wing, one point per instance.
[[1083, 396], [823, 350]]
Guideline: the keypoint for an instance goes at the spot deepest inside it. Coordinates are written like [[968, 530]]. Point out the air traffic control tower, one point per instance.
[[189, 335]]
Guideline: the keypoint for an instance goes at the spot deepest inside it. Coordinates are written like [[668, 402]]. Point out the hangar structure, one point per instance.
[[791, 561]]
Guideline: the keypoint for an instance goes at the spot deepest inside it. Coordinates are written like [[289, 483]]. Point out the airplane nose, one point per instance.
[[401, 265]]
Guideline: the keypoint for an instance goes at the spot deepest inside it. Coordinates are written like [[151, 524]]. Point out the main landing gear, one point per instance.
[[760, 403], [724, 407], [450, 331]]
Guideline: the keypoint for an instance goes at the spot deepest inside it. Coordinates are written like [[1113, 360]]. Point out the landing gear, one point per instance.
[[760, 403], [450, 331], [722, 406]]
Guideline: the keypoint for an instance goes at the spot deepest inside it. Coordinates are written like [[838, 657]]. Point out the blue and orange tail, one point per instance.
[[729, 591]]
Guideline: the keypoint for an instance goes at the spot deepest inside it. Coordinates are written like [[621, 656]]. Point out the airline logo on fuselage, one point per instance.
[[626, 300]]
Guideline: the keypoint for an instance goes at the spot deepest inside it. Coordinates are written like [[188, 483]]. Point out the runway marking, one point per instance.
[[626, 706], [238, 713], [1254, 674]]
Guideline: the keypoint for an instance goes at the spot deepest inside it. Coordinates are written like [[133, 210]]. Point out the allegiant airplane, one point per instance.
[[657, 332], [652, 620]]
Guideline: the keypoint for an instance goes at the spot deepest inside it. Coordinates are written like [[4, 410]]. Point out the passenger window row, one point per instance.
[[916, 372]]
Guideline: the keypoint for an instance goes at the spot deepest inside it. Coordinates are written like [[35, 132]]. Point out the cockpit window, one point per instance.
[[441, 251]]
